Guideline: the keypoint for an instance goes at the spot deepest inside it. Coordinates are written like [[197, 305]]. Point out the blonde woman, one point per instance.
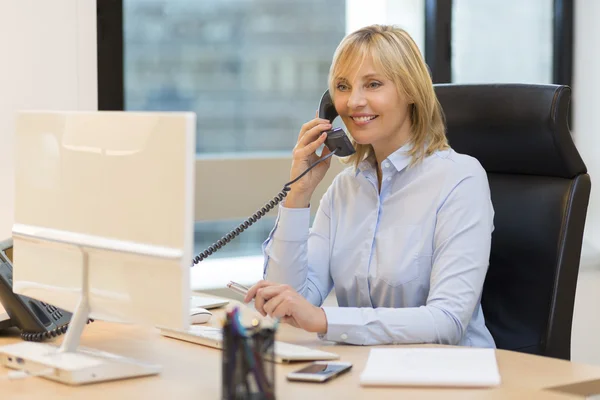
[[403, 235]]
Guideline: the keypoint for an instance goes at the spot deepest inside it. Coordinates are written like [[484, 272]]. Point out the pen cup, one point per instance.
[[246, 373]]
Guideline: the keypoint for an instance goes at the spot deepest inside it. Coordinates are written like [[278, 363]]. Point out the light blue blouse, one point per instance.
[[407, 263]]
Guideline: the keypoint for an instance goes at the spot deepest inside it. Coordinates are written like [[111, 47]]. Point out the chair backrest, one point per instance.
[[540, 191]]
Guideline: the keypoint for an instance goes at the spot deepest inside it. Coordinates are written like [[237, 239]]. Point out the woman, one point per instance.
[[404, 235]]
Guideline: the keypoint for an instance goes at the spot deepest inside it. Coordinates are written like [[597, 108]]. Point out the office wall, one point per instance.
[[586, 101], [47, 61]]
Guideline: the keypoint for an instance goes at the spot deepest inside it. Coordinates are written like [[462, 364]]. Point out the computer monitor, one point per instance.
[[103, 228]]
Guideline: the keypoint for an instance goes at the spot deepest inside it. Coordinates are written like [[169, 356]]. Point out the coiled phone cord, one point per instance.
[[40, 336], [257, 215]]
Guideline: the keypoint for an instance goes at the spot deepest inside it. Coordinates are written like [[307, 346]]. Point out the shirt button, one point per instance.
[[386, 164], [389, 178], [344, 336]]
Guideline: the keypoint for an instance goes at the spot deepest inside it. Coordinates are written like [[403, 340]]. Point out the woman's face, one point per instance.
[[372, 109]]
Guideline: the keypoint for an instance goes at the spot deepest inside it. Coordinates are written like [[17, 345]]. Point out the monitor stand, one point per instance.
[[70, 363]]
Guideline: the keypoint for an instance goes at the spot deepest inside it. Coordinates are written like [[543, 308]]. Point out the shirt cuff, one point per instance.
[[292, 224], [340, 328]]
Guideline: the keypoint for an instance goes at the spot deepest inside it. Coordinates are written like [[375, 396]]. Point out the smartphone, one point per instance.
[[320, 371]]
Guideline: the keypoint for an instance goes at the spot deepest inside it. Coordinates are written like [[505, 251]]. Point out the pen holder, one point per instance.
[[246, 373]]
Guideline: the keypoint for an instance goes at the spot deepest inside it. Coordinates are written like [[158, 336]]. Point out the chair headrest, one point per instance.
[[512, 128]]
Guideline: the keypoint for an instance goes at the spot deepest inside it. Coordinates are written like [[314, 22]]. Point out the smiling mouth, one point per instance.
[[363, 120]]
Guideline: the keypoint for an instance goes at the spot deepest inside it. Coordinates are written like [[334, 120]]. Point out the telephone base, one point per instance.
[[82, 367], [5, 321]]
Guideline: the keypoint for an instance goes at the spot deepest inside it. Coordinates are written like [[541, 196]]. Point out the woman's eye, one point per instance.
[[374, 85], [342, 87]]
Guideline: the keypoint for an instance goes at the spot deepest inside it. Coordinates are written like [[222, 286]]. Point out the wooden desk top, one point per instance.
[[191, 371]]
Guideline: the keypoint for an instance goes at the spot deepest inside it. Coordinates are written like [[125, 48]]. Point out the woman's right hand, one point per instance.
[[311, 136]]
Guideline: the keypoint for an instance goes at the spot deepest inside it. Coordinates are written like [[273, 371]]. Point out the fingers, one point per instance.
[[313, 134], [310, 125], [309, 149], [259, 303], [270, 298], [273, 303], [252, 291], [265, 294], [282, 308]]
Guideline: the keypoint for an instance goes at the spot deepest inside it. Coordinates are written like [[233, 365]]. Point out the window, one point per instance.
[[407, 14], [502, 41], [254, 70]]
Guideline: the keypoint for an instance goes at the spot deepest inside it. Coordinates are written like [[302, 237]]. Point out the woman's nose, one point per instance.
[[356, 99]]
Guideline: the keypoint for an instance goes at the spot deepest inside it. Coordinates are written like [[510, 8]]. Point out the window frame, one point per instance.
[[109, 30], [438, 41]]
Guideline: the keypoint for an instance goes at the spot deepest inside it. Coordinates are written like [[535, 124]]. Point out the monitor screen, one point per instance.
[[119, 186]]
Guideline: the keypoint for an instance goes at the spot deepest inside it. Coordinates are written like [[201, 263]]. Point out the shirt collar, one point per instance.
[[399, 159]]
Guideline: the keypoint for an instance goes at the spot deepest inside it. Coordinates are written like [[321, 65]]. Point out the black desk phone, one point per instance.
[[36, 320], [337, 142]]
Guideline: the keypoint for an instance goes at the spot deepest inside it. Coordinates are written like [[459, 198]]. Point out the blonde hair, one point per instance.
[[396, 55]]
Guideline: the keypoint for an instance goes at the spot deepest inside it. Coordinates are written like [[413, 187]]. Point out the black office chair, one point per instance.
[[540, 190]]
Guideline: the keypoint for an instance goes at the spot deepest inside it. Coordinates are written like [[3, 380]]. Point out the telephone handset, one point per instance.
[[36, 320], [337, 142], [336, 138]]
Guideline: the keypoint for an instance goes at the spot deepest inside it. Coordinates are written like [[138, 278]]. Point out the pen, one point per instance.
[[236, 287], [243, 290]]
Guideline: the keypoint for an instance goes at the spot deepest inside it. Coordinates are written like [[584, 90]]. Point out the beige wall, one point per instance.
[[236, 187], [48, 61]]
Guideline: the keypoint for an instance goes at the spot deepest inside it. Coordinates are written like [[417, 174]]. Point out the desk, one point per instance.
[[192, 372]]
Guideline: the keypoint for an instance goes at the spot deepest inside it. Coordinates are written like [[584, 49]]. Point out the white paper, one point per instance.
[[463, 367]]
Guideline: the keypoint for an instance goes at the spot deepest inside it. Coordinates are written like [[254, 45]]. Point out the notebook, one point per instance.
[[440, 367]]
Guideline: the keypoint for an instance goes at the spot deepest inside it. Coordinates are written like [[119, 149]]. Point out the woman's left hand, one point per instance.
[[283, 302]]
